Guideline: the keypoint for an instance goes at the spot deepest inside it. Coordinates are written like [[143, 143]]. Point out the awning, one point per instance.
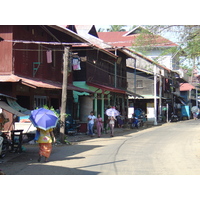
[[31, 82], [7, 96], [148, 97], [111, 89], [106, 88], [6, 107], [13, 104], [132, 94], [37, 83], [73, 87]]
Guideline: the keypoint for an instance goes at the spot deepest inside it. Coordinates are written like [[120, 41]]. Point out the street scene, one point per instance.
[[99, 100], [168, 149]]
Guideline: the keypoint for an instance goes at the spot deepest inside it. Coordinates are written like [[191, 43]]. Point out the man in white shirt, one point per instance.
[[91, 120]]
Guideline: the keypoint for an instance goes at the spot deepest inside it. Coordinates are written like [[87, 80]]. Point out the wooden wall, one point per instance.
[[6, 50]]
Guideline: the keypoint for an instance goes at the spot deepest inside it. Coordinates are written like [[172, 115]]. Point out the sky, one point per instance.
[[108, 26]]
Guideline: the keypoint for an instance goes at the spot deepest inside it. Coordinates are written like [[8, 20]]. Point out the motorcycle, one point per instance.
[[135, 122], [71, 126], [174, 118], [4, 144]]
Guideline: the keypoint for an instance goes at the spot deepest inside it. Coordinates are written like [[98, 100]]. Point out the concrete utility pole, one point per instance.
[[155, 96], [64, 94]]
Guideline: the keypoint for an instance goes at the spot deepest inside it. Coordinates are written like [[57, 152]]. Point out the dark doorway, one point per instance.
[[24, 101], [55, 103]]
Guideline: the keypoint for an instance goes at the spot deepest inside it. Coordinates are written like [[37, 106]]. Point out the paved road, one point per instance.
[[170, 149]]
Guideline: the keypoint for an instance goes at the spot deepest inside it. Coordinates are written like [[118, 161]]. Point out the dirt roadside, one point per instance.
[[13, 162]]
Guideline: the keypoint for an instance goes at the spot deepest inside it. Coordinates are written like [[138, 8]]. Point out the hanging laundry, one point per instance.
[[76, 64], [49, 56]]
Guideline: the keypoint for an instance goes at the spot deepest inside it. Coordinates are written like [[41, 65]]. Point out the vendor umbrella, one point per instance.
[[112, 112], [43, 118], [194, 109]]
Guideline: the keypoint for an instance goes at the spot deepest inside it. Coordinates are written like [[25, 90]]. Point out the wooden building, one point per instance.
[[31, 64], [103, 70]]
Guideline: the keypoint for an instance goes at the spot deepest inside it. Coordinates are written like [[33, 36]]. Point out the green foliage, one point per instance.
[[56, 113], [187, 69], [66, 141], [188, 39], [144, 41]]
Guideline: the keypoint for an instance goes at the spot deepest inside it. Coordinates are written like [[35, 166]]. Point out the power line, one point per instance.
[[47, 43]]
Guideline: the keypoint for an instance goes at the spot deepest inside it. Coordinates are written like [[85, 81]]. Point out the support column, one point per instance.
[[95, 104], [155, 95], [102, 106], [108, 99]]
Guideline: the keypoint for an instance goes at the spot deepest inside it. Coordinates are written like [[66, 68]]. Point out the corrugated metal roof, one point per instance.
[[112, 89], [145, 57], [186, 87], [6, 107], [38, 83], [83, 31], [31, 82], [120, 39]]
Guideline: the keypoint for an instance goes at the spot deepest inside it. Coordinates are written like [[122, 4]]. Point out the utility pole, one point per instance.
[[115, 79], [155, 96], [64, 94], [160, 98]]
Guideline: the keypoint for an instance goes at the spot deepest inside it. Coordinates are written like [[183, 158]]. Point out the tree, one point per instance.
[[116, 28], [187, 37], [101, 30]]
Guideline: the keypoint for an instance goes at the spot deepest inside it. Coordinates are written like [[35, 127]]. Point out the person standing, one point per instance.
[[91, 120], [195, 114], [99, 125], [45, 139], [111, 125]]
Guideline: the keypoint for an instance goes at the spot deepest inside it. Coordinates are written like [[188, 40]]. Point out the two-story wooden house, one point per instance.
[[31, 64], [103, 70]]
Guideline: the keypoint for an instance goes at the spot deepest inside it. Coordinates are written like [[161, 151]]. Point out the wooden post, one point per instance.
[[64, 94]]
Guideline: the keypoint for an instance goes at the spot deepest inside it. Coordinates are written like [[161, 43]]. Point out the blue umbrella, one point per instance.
[[43, 118]]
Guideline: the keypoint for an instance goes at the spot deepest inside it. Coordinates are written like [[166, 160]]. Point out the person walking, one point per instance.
[[99, 125], [111, 125], [195, 114], [91, 120], [45, 139]]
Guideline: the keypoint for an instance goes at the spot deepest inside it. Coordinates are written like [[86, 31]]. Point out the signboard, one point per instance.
[[150, 112], [130, 112]]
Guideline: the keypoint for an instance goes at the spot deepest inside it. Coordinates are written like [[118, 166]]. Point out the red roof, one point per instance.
[[121, 39], [186, 87]]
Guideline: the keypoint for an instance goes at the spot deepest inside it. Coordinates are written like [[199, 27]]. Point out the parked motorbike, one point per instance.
[[141, 119], [174, 118], [4, 144], [135, 122], [71, 127]]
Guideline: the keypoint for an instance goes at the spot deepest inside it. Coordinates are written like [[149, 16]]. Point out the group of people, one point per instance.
[[99, 124], [45, 138]]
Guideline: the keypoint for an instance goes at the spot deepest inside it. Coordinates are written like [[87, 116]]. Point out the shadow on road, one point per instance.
[[26, 163]]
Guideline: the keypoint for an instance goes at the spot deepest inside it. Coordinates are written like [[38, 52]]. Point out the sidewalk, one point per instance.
[[31, 150], [79, 137]]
